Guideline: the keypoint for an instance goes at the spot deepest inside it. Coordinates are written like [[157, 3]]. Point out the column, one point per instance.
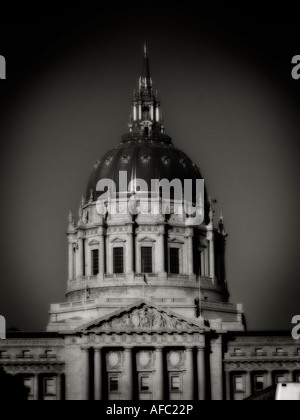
[[36, 387], [85, 374], [134, 112], [290, 377], [152, 113], [160, 251], [211, 255], [79, 260], [59, 387], [269, 379], [88, 260], [101, 255], [140, 111], [189, 393], [248, 392], [138, 268], [129, 251], [128, 375], [71, 261], [216, 375], [159, 375], [201, 374], [228, 386], [108, 257], [157, 113], [190, 252], [98, 374]]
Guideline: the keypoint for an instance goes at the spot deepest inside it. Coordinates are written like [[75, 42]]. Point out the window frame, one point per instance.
[[121, 268], [177, 250], [235, 384], [95, 262], [146, 269], [46, 392]]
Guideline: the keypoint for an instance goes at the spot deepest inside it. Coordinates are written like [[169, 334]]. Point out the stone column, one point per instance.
[[290, 377], [59, 387], [269, 379], [129, 251], [210, 238], [88, 260], [109, 262], [128, 375], [228, 386], [248, 391], [85, 374], [79, 260], [201, 374], [216, 375], [98, 374], [36, 387], [190, 252], [101, 255], [159, 375], [190, 391], [71, 262], [160, 251]]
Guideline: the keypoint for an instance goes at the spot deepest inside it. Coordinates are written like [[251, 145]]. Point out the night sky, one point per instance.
[[228, 100]]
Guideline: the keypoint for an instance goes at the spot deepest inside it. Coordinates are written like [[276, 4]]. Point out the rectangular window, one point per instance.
[[279, 352], [26, 354], [3, 355], [145, 383], [259, 383], [49, 386], [238, 384], [259, 352], [174, 261], [118, 260], [114, 384], [237, 352], [95, 261], [175, 383], [28, 384], [146, 254]]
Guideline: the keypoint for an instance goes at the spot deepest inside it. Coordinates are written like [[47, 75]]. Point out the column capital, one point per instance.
[[159, 349], [189, 349], [128, 349], [98, 349]]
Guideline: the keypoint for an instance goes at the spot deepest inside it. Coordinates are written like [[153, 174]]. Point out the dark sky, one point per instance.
[[229, 102]]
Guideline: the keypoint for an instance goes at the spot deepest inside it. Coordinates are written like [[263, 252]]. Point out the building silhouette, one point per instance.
[[147, 313]]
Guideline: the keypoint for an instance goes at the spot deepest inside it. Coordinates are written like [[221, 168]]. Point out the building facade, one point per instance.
[[147, 313]]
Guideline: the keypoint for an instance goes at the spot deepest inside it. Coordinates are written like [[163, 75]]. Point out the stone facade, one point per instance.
[[147, 313]]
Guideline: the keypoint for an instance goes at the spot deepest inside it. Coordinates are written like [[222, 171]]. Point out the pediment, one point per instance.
[[118, 240], [93, 242], [147, 239], [142, 317]]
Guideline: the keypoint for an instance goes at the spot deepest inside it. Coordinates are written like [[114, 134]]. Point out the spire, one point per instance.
[[145, 118], [145, 79], [146, 66]]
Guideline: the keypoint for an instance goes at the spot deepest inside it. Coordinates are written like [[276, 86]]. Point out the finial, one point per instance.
[[211, 210], [71, 220]]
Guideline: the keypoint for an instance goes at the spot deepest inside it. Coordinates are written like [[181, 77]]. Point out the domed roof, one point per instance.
[[146, 158], [145, 152]]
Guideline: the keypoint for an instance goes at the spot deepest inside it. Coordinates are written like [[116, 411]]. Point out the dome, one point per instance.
[[146, 158]]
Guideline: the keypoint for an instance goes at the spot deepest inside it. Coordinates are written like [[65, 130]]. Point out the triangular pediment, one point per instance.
[[143, 317]]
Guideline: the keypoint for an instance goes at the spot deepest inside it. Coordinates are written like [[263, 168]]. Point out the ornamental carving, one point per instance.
[[175, 359], [146, 319], [108, 161], [145, 360], [114, 360], [182, 162], [125, 159], [145, 160], [166, 161]]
